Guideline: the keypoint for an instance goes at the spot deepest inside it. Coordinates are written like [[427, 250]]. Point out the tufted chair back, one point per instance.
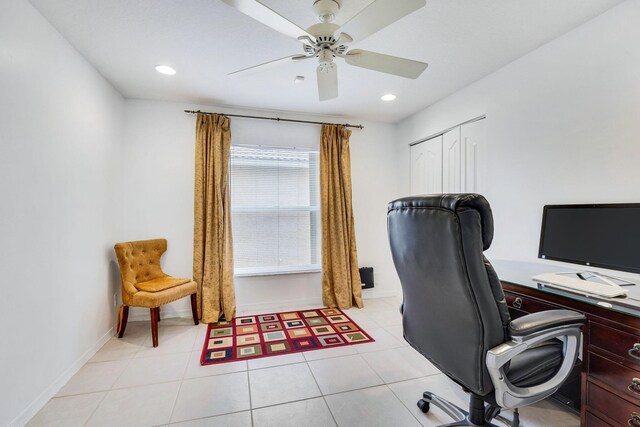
[[139, 262]]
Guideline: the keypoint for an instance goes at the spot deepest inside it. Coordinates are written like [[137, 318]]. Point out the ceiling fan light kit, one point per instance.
[[327, 40]]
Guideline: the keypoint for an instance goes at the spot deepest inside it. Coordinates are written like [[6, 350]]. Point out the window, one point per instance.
[[275, 210]]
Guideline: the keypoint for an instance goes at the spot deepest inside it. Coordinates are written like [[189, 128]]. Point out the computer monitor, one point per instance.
[[606, 236]]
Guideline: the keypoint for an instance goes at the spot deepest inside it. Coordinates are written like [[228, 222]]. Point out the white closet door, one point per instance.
[[473, 145], [426, 167], [452, 173]]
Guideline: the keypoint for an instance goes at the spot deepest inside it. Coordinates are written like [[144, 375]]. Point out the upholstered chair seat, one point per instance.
[[161, 283], [144, 284]]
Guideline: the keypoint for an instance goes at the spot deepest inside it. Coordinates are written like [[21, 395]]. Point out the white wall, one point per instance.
[[562, 127], [60, 183], [159, 173]]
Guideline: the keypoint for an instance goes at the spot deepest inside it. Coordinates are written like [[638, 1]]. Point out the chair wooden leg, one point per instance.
[[158, 308], [123, 315], [194, 308], [154, 326]]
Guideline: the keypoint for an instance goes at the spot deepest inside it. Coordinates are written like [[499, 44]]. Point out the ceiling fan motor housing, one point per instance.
[[326, 9]]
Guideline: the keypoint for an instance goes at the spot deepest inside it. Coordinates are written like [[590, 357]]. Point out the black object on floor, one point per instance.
[[366, 277]]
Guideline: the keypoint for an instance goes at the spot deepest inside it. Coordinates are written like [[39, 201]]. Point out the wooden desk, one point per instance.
[[611, 362]]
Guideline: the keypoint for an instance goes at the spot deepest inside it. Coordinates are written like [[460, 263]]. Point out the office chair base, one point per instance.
[[479, 416]]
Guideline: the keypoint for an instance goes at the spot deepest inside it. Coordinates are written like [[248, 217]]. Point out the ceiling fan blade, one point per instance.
[[270, 64], [385, 63], [268, 17], [327, 81], [378, 15]]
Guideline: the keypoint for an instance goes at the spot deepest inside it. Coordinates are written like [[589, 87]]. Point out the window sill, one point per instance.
[[304, 270]]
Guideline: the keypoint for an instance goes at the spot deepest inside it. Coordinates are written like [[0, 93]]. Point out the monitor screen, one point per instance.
[[606, 236]]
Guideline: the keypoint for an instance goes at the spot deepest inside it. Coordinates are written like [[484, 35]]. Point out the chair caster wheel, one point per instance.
[[423, 405]]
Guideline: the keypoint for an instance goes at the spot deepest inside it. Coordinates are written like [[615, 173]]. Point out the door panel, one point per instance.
[[473, 145], [426, 167], [452, 162]]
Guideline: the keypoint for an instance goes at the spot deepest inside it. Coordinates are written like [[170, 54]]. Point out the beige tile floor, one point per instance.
[[129, 383]]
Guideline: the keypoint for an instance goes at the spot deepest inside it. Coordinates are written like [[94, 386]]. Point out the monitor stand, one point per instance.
[[586, 275]]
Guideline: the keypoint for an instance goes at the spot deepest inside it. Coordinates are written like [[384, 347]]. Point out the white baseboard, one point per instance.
[[33, 408], [366, 294], [280, 304], [146, 316], [373, 293]]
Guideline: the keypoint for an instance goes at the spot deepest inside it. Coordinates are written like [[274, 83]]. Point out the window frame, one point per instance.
[[283, 270]]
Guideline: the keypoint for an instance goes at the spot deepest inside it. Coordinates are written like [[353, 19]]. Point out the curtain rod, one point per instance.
[[437, 134], [277, 119]]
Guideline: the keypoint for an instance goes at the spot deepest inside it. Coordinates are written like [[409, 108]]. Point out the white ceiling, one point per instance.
[[463, 40]]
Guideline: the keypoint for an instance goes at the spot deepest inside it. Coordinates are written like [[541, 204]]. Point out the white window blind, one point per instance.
[[275, 210]]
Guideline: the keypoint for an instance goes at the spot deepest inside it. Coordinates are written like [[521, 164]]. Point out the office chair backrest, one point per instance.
[[454, 309]]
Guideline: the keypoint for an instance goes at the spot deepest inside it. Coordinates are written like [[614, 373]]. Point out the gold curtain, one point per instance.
[[212, 241], [340, 276]]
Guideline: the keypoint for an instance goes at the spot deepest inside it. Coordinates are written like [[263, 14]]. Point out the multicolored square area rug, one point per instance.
[[252, 337]]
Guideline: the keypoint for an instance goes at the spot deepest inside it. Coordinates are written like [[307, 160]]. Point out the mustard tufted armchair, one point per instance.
[[144, 284]]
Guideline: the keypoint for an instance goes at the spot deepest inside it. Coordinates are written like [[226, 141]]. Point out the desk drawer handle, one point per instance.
[[633, 353], [634, 421], [634, 387], [517, 303]]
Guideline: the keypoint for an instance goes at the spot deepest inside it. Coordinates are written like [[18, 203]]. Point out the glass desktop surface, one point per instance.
[[520, 273]]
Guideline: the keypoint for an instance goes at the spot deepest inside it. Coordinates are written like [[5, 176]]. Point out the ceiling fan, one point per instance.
[[327, 40]]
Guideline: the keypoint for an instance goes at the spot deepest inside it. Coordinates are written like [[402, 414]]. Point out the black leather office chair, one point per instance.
[[454, 312]]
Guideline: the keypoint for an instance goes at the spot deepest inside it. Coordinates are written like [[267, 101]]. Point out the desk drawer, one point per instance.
[[526, 305], [625, 381], [615, 341], [593, 421], [619, 410]]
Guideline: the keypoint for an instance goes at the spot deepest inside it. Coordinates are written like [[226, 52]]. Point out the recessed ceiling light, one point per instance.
[[165, 69], [388, 97]]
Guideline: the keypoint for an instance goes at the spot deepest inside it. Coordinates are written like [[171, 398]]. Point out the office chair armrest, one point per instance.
[[543, 320], [508, 395]]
